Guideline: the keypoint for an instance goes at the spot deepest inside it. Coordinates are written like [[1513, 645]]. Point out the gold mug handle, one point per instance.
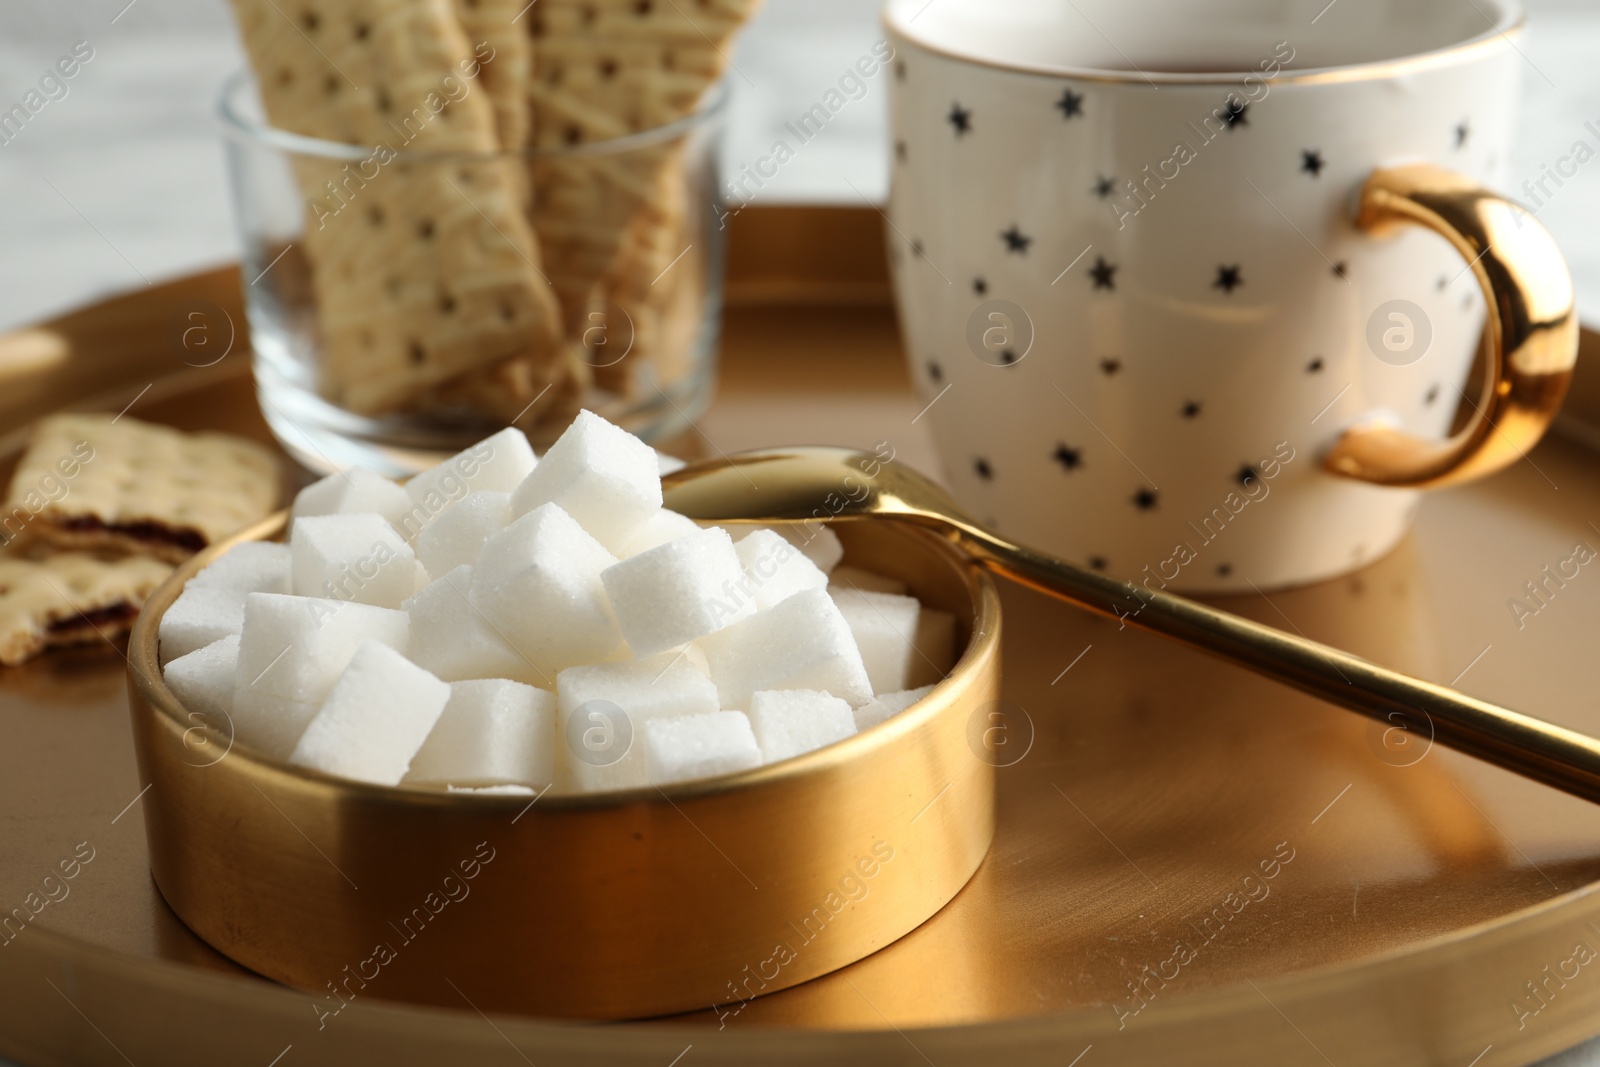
[[1531, 333]]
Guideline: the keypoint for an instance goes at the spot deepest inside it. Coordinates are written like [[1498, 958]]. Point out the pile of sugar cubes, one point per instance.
[[507, 623]]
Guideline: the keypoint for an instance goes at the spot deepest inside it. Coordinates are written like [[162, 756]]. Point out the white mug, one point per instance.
[[1158, 288]]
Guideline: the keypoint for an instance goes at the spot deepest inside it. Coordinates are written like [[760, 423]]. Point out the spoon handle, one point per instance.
[[1558, 757]]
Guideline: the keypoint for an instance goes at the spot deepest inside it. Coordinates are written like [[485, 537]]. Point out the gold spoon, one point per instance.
[[839, 484]]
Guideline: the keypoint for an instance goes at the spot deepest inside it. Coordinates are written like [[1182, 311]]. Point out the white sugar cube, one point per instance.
[[249, 567], [820, 544], [600, 474], [662, 526], [458, 535], [203, 680], [789, 722], [802, 643], [601, 711], [882, 707], [814, 540], [351, 557], [496, 464], [296, 647], [666, 464], [776, 570], [270, 724], [504, 790], [693, 655], [452, 639], [374, 719], [845, 576], [492, 730], [885, 629], [668, 684], [678, 591], [936, 647], [352, 492], [538, 582], [698, 746], [197, 618]]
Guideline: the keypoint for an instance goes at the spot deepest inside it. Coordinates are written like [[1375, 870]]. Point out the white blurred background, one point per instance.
[[120, 184]]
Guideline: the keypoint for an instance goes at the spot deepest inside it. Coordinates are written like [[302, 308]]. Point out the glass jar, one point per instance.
[[404, 305]]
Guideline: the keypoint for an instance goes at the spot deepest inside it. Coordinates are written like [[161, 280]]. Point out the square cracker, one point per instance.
[[540, 397], [604, 69], [422, 269], [69, 599], [117, 484], [655, 277]]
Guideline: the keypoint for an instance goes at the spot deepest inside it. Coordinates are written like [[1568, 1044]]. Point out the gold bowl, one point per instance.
[[611, 906]]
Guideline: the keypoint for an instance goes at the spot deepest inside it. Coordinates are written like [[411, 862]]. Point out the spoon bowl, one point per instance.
[[813, 484]]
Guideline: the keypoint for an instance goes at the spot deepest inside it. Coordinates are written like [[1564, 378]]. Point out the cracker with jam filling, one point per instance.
[[70, 598], [96, 483]]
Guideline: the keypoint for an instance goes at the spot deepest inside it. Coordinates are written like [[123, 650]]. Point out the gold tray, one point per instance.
[[1418, 899]]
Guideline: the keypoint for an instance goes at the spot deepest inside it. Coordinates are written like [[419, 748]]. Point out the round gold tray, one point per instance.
[[1190, 864]]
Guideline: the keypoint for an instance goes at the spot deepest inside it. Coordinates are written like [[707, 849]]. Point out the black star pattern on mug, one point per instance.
[[1463, 131], [1071, 104], [960, 118], [935, 371], [1097, 563], [900, 70], [1104, 187], [916, 247], [1245, 475], [1108, 367], [1016, 241], [1341, 270], [1007, 356], [982, 468], [980, 286], [1311, 162], [1224, 569], [1069, 458], [1315, 366], [1228, 278], [1432, 395], [1103, 273], [1145, 499], [1235, 113], [1442, 284], [1191, 410]]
